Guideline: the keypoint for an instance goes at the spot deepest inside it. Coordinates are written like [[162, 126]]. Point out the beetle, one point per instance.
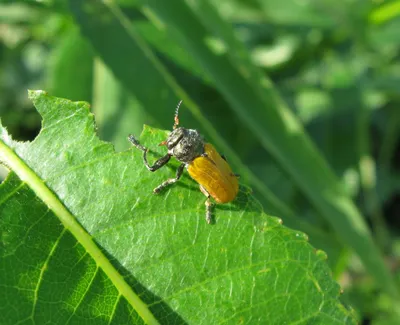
[[202, 161]]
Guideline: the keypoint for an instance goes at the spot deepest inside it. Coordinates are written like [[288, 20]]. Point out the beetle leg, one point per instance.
[[158, 164], [208, 204], [136, 143], [169, 181]]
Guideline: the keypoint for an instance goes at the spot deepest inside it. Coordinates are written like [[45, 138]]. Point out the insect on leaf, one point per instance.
[[83, 239]]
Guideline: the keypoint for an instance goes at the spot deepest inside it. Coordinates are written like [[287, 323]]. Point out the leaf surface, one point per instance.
[[140, 257], [197, 27]]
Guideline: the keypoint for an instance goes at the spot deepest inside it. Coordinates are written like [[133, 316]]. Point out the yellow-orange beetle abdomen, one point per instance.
[[215, 175]]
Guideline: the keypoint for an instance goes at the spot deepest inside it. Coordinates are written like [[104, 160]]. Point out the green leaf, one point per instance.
[[255, 100], [108, 29], [385, 12], [196, 27], [300, 14], [117, 111], [71, 66], [124, 255]]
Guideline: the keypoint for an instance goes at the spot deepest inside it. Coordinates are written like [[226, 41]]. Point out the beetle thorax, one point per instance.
[[185, 144]]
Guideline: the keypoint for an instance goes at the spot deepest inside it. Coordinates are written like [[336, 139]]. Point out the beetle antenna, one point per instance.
[[176, 115]]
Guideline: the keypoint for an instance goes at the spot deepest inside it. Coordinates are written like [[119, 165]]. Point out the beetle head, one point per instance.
[[185, 144]]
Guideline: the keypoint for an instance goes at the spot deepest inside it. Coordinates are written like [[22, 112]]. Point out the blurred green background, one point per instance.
[[334, 64]]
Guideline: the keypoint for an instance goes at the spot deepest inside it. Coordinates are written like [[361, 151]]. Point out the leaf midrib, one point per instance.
[[29, 177]]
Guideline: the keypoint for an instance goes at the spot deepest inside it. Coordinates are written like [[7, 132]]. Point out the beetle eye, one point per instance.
[[175, 137], [174, 141]]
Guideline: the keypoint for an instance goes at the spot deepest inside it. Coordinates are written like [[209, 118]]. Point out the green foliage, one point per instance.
[[245, 268], [251, 95], [301, 96]]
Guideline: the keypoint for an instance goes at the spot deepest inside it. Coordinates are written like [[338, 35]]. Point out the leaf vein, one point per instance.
[[42, 270]]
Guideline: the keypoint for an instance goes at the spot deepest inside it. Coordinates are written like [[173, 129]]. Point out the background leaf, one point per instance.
[[331, 66], [252, 97], [246, 268]]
